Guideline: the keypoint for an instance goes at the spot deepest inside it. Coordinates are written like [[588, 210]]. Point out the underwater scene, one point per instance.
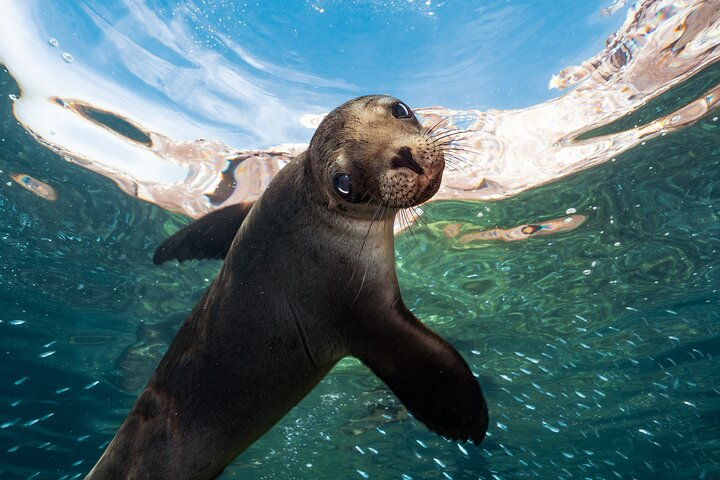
[[570, 255]]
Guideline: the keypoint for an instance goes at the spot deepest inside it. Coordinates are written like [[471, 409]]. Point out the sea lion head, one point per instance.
[[373, 152]]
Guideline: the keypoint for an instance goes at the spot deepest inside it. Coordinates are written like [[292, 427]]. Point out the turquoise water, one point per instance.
[[597, 348]]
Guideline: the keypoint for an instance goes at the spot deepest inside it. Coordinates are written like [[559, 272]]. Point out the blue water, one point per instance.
[[597, 348]]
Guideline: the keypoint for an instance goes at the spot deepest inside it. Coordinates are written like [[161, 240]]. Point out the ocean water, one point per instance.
[[598, 348]]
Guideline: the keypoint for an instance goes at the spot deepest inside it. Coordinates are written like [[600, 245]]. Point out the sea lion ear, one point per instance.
[[427, 374], [209, 237]]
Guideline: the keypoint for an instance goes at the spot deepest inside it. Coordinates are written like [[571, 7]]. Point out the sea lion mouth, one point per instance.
[[433, 185]]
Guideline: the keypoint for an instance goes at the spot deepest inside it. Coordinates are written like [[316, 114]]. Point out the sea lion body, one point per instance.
[[308, 279]]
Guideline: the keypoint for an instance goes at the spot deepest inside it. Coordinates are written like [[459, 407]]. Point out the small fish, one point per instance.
[[10, 423], [41, 189]]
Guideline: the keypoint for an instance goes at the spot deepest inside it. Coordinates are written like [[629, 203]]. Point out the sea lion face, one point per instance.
[[372, 151]]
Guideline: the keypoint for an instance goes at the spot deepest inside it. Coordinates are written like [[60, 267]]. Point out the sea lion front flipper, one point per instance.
[[208, 237], [426, 373]]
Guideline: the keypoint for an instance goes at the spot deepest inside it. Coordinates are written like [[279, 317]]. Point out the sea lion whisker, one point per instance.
[[404, 225], [456, 155], [454, 146], [367, 264], [428, 132], [459, 159], [450, 129], [455, 162], [461, 149], [301, 334], [362, 246], [462, 115], [362, 282], [418, 218], [457, 130], [450, 134], [457, 168], [423, 217], [372, 197], [456, 165], [410, 224], [460, 145], [455, 159]]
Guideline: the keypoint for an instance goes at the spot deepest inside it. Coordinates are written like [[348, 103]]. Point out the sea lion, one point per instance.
[[309, 278]]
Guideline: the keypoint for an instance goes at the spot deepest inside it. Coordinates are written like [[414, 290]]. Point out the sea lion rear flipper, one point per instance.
[[427, 374], [208, 237]]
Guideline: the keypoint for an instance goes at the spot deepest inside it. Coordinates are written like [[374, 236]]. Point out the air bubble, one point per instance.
[[53, 42], [67, 57]]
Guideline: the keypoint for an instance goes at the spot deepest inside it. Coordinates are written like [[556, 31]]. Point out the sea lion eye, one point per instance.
[[342, 184], [400, 110]]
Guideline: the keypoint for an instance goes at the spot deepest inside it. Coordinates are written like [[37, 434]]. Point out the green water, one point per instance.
[[598, 349]]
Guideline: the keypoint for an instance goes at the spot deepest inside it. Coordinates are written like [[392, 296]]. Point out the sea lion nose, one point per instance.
[[405, 159]]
